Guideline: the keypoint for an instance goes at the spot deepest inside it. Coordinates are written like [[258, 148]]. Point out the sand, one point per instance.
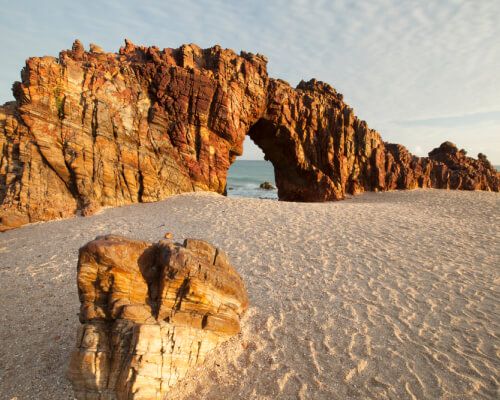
[[385, 295]]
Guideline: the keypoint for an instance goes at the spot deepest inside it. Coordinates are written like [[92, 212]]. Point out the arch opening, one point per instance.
[[251, 174], [296, 178]]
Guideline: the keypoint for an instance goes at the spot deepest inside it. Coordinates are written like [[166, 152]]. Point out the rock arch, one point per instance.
[[277, 147], [91, 129]]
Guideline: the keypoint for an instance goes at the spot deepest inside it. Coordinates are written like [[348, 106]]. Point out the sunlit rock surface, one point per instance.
[[90, 129], [149, 312]]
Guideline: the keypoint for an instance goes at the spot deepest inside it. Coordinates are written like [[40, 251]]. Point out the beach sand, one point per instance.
[[385, 295]]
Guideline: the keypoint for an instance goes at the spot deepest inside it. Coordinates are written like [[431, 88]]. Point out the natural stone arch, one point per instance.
[[91, 129], [293, 181], [319, 149]]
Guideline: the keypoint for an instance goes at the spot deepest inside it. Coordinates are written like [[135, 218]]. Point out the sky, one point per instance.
[[419, 72]]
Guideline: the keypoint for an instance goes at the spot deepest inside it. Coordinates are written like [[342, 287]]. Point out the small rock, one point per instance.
[[96, 49], [11, 221], [267, 185], [169, 235], [78, 49]]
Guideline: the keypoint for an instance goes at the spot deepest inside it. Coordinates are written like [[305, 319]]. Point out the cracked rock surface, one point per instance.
[[90, 129], [149, 312]]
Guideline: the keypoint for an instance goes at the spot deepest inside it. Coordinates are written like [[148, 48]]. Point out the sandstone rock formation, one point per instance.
[[91, 129], [149, 312]]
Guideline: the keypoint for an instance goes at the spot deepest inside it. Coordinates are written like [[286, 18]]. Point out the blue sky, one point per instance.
[[420, 72]]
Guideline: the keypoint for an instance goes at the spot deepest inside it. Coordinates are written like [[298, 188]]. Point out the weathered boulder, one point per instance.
[[90, 129], [149, 312]]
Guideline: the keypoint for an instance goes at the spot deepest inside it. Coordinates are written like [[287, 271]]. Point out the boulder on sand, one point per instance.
[[150, 312]]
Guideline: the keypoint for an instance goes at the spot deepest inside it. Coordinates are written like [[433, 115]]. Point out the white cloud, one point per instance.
[[393, 60], [251, 151], [418, 151]]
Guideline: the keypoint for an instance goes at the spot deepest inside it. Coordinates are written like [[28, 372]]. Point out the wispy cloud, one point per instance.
[[394, 60], [455, 121]]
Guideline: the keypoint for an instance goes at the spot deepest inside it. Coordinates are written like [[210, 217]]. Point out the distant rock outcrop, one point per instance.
[[149, 312], [267, 185], [91, 129]]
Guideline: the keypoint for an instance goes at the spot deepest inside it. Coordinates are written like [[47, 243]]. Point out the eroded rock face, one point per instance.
[[91, 129], [149, 312], [321, 151]]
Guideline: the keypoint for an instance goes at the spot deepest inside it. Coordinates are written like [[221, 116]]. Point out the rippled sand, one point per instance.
[[386, 295]]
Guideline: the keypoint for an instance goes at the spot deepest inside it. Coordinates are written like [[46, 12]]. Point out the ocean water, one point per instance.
[[245, 176]]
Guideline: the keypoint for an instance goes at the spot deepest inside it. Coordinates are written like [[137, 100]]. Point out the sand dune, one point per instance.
[[386, 295]]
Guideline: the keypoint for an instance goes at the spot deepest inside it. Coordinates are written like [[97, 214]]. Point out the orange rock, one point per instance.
[[169, 235], [11, 221], [91, 129], [149, 312]]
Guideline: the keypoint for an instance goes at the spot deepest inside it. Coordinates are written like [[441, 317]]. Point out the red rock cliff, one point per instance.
[[92, 129]]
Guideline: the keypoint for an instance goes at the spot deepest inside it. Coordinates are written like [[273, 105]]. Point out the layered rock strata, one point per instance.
[[149, 312], [90, 129], [321, 151]]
